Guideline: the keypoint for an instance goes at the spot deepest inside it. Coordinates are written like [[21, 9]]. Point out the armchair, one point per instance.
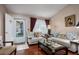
[[33, 38]]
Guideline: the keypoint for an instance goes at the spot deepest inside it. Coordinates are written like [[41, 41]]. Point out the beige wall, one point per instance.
[[58, 20], [2, 11], [27, 23]]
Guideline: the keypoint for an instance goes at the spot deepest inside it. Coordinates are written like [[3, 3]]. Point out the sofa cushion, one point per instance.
[[42, 40], [71, 35], [63, 42], [30, 34]]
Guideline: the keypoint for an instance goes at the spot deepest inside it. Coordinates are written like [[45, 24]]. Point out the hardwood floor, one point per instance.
[[34, 50]]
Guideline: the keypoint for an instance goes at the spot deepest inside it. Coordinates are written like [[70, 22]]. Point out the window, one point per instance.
[[40, 26]]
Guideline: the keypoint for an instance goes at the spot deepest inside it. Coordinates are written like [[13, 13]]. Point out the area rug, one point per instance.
[[22, 46]]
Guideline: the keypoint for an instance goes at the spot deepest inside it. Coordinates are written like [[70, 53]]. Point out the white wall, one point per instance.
[[27, 21]]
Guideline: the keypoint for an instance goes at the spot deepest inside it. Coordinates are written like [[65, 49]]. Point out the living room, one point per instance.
[[26, 27]]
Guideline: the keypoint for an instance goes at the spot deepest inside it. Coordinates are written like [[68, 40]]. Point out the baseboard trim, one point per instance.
[[32, 44], [19, 43]]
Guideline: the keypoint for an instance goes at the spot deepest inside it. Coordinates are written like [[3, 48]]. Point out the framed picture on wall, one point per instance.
[[70, 21]]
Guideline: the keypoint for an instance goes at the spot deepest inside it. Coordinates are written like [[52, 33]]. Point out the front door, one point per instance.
[[20, 31]]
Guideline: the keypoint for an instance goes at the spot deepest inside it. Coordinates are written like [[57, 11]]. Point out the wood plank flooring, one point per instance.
[[34, 50]]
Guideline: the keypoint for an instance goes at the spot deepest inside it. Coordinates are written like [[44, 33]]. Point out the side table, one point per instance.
[[77, 44]]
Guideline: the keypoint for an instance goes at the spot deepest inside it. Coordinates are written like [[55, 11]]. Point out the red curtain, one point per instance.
[[47, 23], [32, 23]]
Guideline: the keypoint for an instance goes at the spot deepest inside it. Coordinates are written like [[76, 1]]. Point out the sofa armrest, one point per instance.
[[8, 42]]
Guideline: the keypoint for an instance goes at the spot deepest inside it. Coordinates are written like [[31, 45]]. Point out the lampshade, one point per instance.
[[49, 27]]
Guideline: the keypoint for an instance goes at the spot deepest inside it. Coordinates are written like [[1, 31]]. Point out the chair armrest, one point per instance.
[[8, 42]]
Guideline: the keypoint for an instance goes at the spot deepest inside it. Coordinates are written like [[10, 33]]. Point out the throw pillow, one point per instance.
[[63, 36], [71, 35], [55, 34]]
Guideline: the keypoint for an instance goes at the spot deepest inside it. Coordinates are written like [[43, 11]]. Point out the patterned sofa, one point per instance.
[[65, 39]]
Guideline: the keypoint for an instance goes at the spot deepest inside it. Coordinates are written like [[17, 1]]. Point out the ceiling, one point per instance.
[[40, 10]]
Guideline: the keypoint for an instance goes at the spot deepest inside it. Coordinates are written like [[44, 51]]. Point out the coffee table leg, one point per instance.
[[53, 53], [15, 52], [66, 49]]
